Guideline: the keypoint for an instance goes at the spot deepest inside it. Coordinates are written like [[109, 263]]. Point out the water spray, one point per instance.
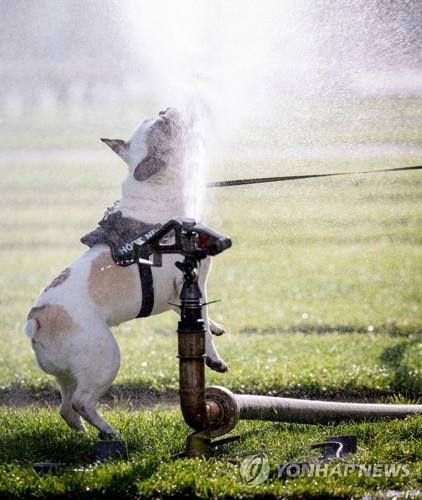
[[214, 411]]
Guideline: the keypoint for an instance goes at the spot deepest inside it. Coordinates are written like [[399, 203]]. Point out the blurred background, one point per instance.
[[267, 78]]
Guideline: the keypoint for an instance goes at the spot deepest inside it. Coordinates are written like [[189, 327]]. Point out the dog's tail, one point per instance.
[[31, 327]]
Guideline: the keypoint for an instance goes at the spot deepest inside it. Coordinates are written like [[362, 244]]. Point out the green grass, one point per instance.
[[32, 435], [321, 298]]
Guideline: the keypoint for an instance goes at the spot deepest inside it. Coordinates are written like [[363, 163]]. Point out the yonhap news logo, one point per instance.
[[294, 470], [255, 470]]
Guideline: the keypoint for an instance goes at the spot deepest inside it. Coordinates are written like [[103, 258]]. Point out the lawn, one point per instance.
[[320, 296]]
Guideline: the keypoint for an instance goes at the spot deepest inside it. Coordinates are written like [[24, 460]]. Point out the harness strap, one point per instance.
[[147, 286], [119, 233]]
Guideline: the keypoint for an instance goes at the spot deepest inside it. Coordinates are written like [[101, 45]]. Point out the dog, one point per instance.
[[69, 324]]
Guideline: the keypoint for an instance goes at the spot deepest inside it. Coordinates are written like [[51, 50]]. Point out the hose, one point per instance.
[[317, 412]]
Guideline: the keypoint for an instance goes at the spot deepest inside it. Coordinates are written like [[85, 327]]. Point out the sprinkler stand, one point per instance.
[[214, 411]]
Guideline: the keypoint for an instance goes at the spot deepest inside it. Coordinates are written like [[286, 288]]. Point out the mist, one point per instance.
[[274, 81]]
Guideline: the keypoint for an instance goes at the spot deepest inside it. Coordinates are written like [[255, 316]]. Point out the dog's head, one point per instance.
[[155, 147]]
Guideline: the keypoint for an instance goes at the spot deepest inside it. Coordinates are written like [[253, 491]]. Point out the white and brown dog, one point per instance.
[[69, 325]]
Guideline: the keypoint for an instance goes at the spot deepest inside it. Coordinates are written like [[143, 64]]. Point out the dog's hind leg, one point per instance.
[[85, 402], [69, 415], [100, 364]]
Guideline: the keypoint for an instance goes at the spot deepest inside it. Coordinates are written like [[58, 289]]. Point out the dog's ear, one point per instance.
[[119, 146], [149, 166]]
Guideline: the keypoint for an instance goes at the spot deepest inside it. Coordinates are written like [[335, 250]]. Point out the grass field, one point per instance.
[[321, 298]]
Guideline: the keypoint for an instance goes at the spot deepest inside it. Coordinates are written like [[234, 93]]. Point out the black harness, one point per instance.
[[119, 233]]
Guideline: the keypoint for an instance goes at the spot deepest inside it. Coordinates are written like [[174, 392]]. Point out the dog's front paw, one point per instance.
[[218, 365], [216, 328]]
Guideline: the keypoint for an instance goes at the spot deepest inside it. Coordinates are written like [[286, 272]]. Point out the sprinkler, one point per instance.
[[214, 411]]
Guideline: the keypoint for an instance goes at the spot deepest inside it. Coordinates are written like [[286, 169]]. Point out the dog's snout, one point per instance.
[[172, 114], [170, 122]]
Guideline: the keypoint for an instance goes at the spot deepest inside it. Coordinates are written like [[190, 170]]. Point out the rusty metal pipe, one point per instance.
[[317, 412], [191, 340], [192, 378]]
